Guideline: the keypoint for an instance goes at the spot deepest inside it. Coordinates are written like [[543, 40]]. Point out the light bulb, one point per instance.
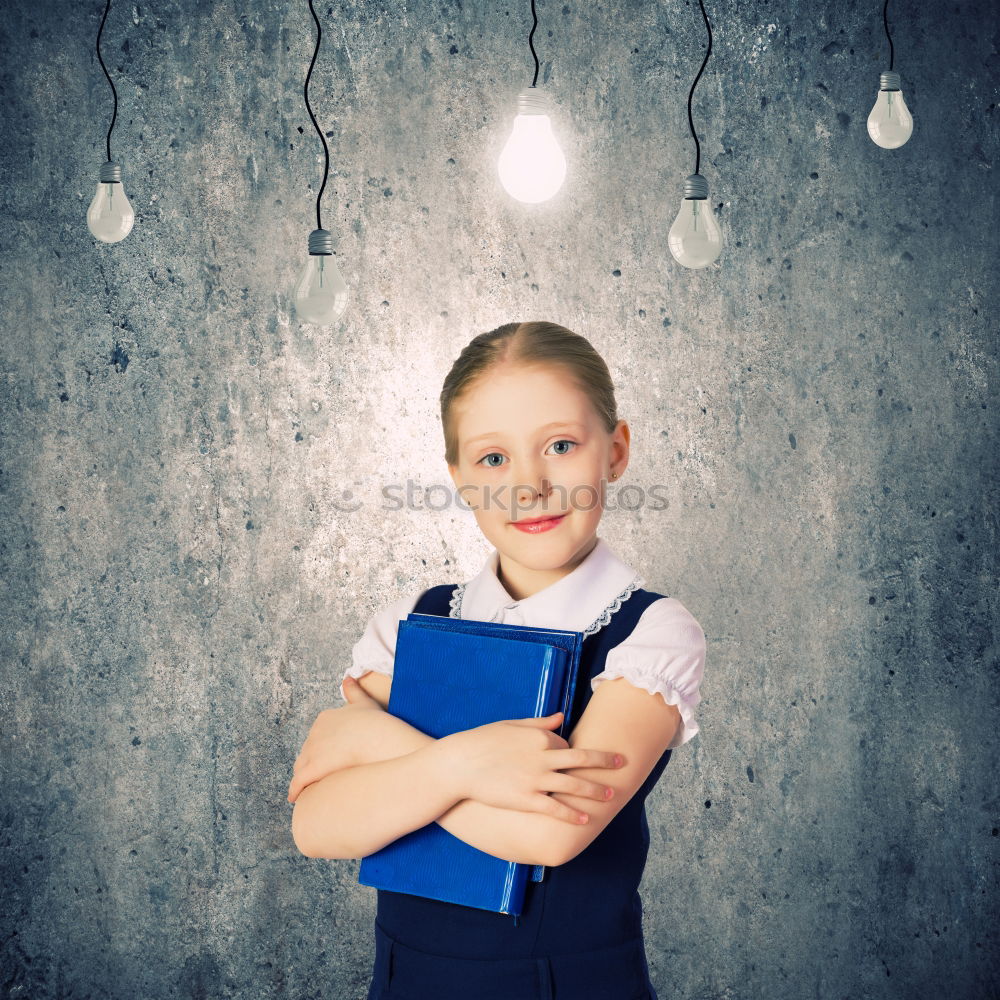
[[695, 239], [890, 123], [110, 215], [532, 166], [321, 293]]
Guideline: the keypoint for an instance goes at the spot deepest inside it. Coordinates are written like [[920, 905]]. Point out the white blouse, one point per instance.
[[665, 653]]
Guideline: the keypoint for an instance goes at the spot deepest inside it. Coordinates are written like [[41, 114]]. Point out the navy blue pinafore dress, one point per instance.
[[579, 936]]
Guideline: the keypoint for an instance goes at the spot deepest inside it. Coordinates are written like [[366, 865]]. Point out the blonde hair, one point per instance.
[[536, 344]]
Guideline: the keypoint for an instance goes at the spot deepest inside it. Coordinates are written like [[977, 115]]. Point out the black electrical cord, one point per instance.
[[326, 151], [114, 115], [694, 135], [531, 44], [885, 21]]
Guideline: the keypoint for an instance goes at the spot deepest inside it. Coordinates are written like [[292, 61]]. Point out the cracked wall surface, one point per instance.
[[194, 532]]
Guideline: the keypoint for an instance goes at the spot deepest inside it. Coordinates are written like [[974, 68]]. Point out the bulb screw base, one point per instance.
[[320, 243], [889, 81], [111, 173], [695, 188], [532, 101]]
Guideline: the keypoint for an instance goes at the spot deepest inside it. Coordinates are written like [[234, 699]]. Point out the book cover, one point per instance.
[[451, 675]]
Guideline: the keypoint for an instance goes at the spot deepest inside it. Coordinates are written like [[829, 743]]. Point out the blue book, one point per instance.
[[453, 674]]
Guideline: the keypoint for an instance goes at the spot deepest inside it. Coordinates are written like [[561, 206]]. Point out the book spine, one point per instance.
[[506, 895], [552, 689], [545, 679]]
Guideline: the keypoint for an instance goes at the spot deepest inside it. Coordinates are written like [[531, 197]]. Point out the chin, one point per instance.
[[549, 550]]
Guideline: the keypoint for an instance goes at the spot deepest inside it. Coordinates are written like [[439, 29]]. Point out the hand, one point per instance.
[[336, 739], [358, 696], [515, 763]]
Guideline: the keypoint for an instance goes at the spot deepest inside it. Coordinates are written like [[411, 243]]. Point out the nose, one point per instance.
[[527, 491]]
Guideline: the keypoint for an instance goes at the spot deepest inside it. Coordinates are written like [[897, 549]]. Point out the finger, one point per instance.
[[584, 788], [559, 810], [354, 689], [582, 757], [542, 720], [359, 696]]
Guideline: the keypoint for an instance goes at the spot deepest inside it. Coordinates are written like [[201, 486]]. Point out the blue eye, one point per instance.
[[564, 441], [492, 465]]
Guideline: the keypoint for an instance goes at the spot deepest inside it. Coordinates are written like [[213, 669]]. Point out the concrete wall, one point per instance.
[[182, 581]]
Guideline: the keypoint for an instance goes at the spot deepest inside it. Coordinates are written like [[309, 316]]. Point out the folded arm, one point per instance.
[[387, 778], [356, 811], [620, 717]]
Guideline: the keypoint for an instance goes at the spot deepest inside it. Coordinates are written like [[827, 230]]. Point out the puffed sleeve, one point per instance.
[[376, 649], [665, 654]]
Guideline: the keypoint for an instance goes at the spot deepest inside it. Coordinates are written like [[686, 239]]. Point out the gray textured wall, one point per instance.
[[181, 583]]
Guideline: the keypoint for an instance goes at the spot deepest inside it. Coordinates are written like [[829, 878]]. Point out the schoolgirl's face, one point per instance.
[[531, 446]]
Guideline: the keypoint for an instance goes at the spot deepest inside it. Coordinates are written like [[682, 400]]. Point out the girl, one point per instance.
[[531, 437]]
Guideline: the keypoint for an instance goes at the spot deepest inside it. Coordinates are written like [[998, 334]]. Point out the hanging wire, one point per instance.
[[694, 135], [885, 21], [319, 131], [114, 115], [531, 44]]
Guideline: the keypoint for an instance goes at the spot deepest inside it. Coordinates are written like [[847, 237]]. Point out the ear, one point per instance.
[[621, 439]]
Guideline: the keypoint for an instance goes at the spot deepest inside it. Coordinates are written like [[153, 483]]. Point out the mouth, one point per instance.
[[533, 525]]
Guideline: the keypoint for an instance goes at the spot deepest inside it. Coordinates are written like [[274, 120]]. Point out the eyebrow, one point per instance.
[[557, 423]]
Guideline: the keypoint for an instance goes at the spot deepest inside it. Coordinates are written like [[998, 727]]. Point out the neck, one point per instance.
[[521, 582]]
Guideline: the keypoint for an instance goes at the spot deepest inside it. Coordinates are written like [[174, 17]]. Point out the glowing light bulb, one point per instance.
[[890, 123], [110, 216], [695, 239], [321, 294], [532, 166]]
